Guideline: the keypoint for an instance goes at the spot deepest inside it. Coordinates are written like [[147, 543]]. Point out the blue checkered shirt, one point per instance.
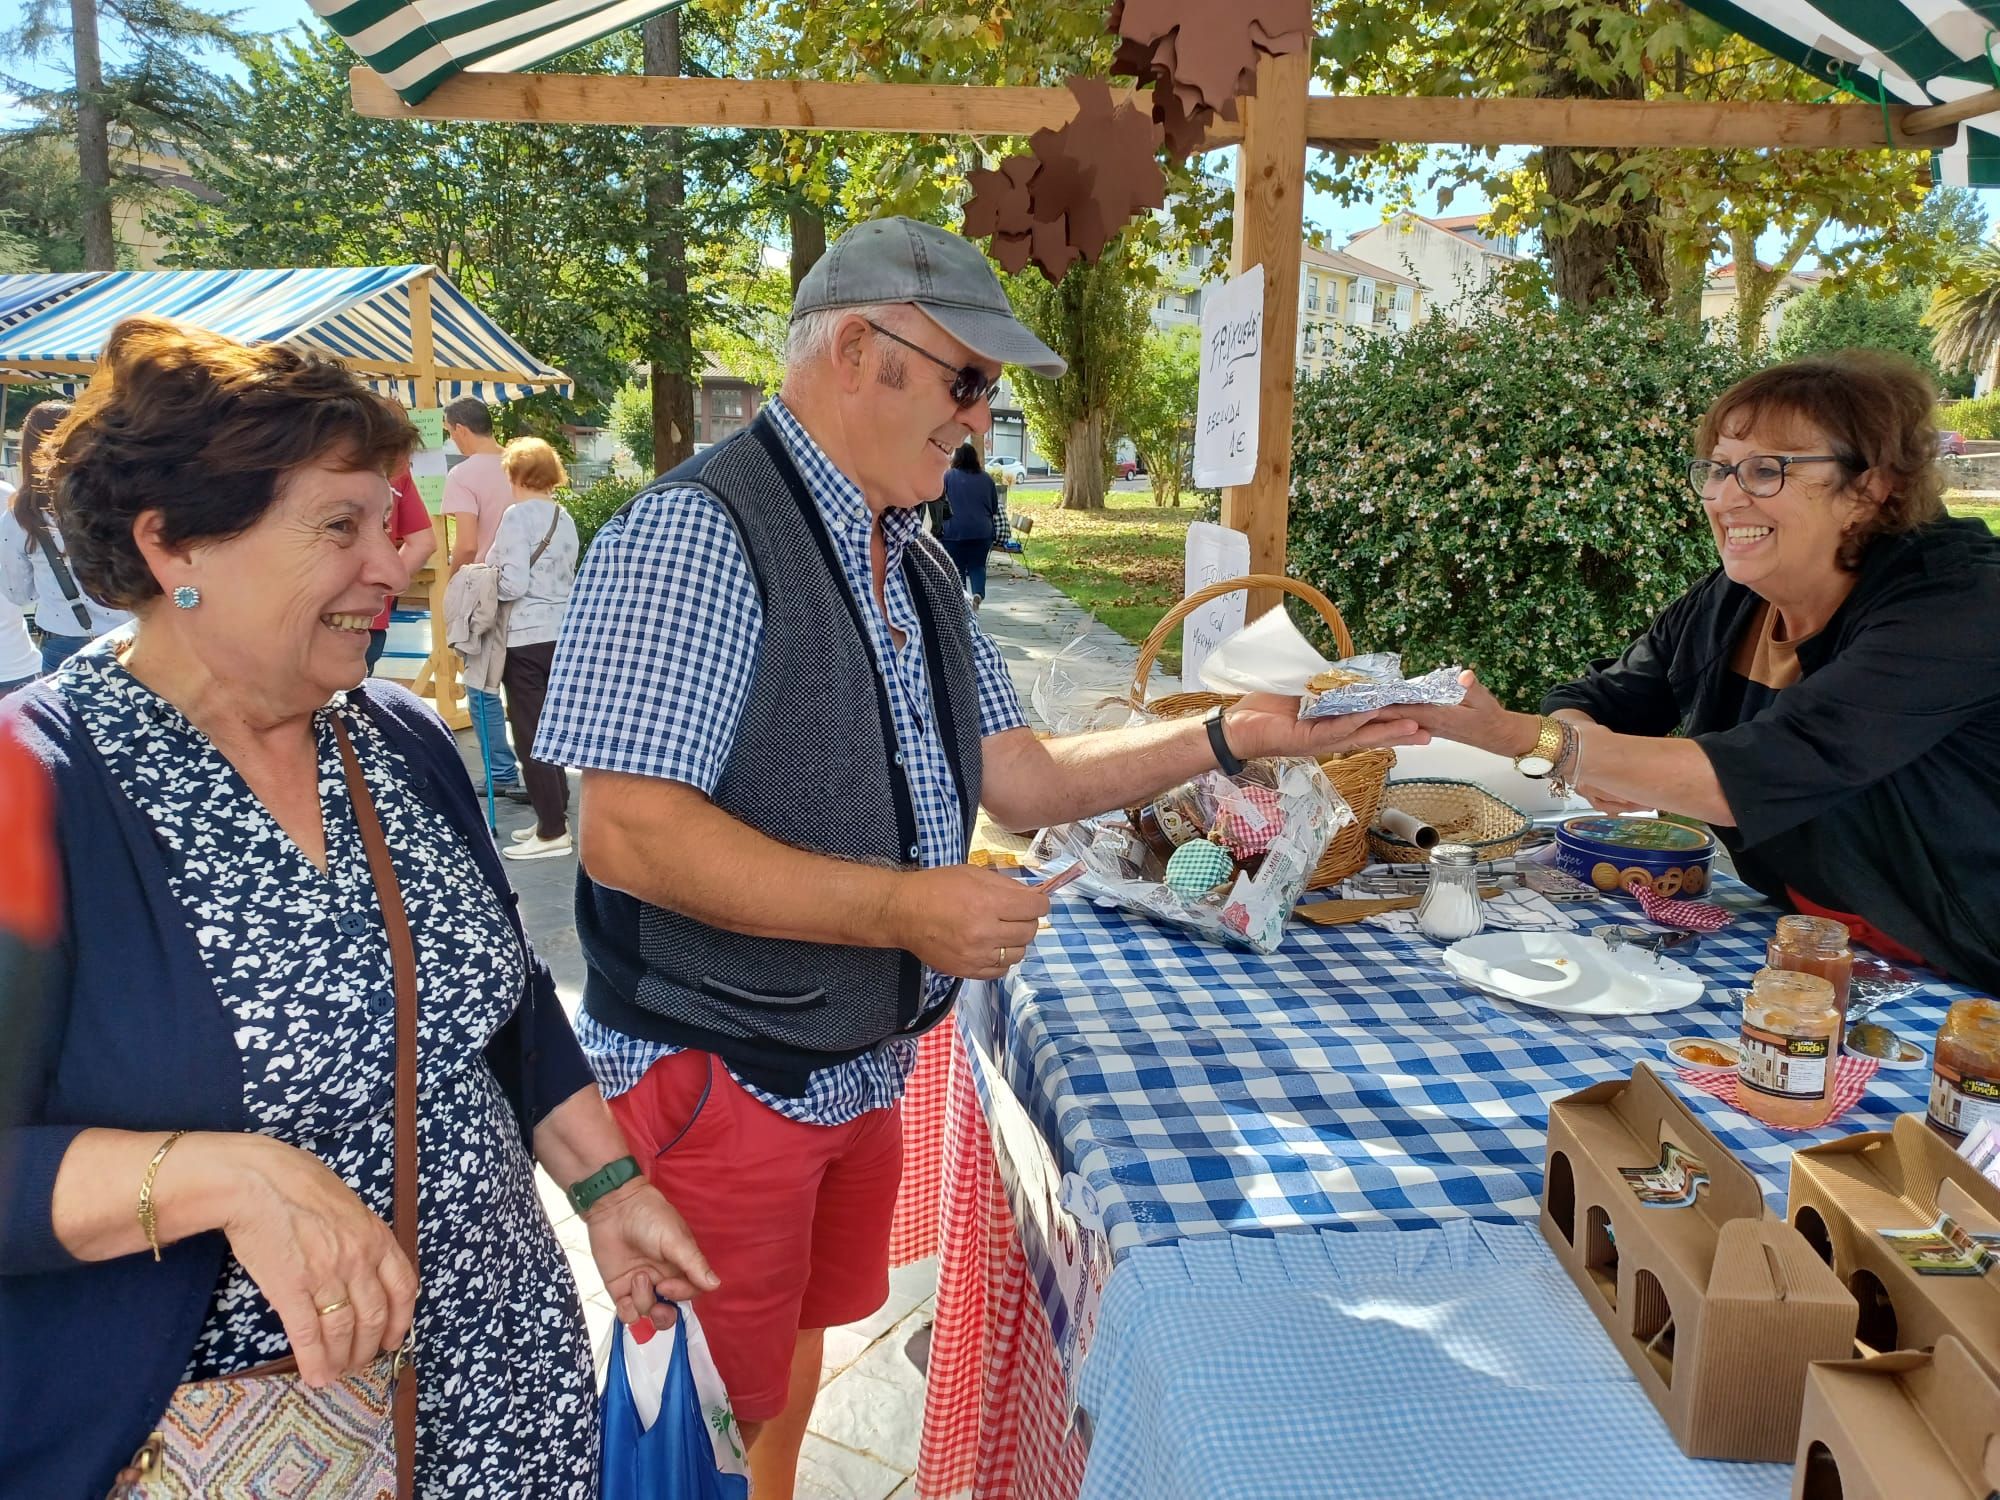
[[652, 673]]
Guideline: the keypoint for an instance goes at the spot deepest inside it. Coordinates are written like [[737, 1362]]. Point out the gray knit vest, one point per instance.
[[815, 764]]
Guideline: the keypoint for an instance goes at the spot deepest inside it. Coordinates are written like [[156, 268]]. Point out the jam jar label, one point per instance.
[[1959, 1102], [1781, 1065]]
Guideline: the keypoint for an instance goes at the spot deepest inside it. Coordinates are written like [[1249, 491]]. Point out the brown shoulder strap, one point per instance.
[[403, 961], [547, 536]]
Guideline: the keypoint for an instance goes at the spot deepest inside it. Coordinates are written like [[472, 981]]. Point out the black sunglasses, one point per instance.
[[970, 385]]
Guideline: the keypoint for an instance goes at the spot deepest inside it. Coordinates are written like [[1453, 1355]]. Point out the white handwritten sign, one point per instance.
[[1213, 554], [1232, 339]]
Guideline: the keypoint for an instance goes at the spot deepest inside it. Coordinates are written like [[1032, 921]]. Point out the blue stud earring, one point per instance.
[[187, 596]]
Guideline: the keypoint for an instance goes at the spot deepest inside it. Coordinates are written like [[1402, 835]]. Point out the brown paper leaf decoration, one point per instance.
[[1075, 191], [1000, 202], [1081, 184], [1199, 56]]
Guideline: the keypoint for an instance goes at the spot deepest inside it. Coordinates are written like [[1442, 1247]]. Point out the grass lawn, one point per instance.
[[1123, 563], [1985, 511]]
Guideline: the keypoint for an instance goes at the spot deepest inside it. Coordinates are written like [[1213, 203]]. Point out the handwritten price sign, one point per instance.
[[1232, 338]]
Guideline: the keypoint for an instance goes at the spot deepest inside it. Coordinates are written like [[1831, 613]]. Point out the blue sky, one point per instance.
[[1337, 220]]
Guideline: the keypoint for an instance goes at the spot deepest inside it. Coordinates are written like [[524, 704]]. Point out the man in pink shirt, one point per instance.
[[477, 491]]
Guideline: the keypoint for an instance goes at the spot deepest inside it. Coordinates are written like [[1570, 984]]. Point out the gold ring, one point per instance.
[[1002, 960], [333, 1307]]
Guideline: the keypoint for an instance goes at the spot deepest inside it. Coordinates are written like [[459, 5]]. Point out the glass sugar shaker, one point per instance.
[[1450, 908]]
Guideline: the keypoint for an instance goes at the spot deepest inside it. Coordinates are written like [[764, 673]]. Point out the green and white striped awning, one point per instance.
[[417, 44], [1915, 52]]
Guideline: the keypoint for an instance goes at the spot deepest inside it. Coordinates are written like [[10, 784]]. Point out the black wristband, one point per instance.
[[1225, 759]]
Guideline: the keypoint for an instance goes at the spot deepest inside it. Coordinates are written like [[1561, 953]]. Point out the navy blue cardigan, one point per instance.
[[128, 1033]]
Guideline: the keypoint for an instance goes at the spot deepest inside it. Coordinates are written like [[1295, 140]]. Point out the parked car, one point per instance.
[[1007, 470], [1951, 444], [1127, 468]]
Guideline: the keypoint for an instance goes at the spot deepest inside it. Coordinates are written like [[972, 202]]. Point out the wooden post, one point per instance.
[[1270, 229], [437, 678]]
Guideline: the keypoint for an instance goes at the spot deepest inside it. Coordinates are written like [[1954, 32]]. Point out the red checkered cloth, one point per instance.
[[996, 1422], [1850, 1082], [1249, 834], [913, 1233], [1690, 916]]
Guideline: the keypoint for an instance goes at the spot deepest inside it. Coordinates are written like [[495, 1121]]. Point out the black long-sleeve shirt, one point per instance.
[[1872, 784]]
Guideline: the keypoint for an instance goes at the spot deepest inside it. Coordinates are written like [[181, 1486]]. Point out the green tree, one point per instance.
[[1095, 317], [159, 96], [1853, 317], [631, 422], [544, 227], [1160, 409], [1666, 214], [1965, 311]]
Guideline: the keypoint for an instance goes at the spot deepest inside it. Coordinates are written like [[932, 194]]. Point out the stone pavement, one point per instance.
[[863, 1443]]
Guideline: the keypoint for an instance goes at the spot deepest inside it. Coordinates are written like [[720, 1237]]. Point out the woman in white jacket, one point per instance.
[[34, 562], [534, 553]]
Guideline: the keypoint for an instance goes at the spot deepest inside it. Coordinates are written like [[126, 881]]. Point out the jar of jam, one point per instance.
[[1965, 1069], [1815, 945], [1790, 1041]]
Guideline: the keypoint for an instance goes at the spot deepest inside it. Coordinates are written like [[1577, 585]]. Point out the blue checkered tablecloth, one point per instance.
[[1156, 1102], [1347, 1080], [1449, 1362]]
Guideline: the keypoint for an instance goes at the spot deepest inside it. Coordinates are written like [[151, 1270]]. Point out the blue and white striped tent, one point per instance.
[[363, 314], [24, 295]]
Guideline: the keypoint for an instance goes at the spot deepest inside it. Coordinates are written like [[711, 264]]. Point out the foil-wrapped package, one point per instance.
[[1361, 684]]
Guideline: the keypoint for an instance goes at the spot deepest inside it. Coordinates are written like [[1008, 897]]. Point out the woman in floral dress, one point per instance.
[[219, 1019]]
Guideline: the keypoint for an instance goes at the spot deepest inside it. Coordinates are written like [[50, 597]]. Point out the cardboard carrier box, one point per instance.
[[1845, 1193], [1718, 1307], [1900, 1427]]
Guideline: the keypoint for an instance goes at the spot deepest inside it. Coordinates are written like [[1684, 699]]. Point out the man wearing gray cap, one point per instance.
[[786, 720]]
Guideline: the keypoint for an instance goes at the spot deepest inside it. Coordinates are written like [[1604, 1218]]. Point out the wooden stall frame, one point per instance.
[[1279, 124]]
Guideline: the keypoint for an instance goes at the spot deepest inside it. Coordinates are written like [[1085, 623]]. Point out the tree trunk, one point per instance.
[[1585, 261], [808, 241], [93, 145], [670, 337], [1083, 464]]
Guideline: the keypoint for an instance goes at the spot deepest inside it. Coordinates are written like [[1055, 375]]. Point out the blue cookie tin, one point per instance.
[[1606, 852]]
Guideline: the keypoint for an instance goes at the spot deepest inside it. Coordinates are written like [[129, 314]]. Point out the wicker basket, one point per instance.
[[1461, 812], [1359, 777]]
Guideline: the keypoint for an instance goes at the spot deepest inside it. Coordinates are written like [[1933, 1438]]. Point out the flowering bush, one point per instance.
[[1510, 495]]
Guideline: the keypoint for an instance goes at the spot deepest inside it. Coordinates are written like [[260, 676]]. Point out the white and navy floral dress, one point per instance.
[[300, 960]]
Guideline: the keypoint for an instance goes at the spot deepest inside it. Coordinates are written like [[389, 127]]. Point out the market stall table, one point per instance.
[[1134, 1088]]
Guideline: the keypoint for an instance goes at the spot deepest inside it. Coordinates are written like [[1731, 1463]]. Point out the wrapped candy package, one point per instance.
[[1224, 859], [1363, 683]]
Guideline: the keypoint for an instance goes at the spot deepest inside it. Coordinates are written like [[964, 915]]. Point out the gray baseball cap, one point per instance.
[[944, 274]]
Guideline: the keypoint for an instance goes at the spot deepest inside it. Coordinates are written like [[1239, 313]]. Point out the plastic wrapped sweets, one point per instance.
[[1240, 851]]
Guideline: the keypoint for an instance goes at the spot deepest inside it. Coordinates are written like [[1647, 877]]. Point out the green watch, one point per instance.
[[583, 1195]]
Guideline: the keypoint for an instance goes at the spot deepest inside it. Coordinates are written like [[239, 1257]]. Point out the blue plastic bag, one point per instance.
[[671, 1460]]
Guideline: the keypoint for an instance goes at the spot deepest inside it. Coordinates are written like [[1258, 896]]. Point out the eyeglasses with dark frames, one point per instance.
[[970, 385], [1761, 475]]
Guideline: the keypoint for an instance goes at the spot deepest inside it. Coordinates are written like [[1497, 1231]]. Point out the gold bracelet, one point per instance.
[[147, 1220]]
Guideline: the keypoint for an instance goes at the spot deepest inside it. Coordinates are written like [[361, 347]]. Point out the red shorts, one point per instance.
[[794, 1218]]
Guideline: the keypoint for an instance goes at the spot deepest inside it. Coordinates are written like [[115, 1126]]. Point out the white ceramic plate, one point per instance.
[[1572, 973]]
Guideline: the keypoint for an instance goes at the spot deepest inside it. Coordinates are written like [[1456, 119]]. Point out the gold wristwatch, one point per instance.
[[1540, 759]]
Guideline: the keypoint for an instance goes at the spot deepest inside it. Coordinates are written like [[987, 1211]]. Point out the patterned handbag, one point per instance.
[[265, 1434]]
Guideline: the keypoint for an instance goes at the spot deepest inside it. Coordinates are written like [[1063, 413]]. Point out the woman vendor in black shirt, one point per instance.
[[1836, 681]]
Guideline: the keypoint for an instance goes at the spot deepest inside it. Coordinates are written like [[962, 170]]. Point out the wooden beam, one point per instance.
[[1270, 231], [962, 109], [1939, 116], [739, 103], [1612, 122], [423, 342]]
